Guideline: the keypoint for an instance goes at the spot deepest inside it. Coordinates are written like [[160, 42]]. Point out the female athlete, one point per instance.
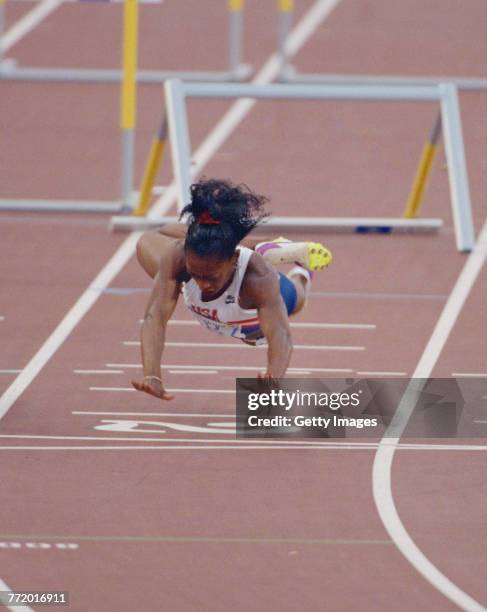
[[228, 280]]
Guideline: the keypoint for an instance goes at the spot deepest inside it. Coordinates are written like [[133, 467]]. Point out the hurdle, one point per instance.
[[446, 95], [236, 71], [290, 74], [127, 127]]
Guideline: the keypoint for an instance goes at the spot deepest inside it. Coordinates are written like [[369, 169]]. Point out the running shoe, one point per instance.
[[311, 255]]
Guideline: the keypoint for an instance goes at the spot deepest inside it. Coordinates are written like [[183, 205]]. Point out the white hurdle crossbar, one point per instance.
[[446, 94]]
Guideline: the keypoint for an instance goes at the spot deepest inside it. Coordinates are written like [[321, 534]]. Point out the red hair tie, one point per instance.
[[206, 219]]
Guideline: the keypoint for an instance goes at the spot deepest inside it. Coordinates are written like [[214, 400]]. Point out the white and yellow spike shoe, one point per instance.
[[311, 255]]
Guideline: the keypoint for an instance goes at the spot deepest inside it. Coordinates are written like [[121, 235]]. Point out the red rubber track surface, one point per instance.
[[161, 518]]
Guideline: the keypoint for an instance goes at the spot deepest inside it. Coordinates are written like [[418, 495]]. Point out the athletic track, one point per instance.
[[103, 493]]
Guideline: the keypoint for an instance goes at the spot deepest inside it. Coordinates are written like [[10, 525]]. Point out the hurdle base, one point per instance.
[[10, 72], [377, 225], [75, 206]]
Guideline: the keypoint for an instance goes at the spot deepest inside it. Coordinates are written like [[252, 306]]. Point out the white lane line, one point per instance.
[[382, 373], [10, 371], [305, 28], [291, 443], [183, 415], [242, 368], [2, 318], [254, 445], [166, 440], [468, 375], [382, 468], [296, 325], [27, 23], [193, 371], [168, 390], [16, 608], [310, 347], [98, 371], [376, 296]]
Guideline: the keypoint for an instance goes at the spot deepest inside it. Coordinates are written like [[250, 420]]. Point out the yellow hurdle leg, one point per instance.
[[414, 200], [235, 5], [423, 171], [286, 6], [151, 169]]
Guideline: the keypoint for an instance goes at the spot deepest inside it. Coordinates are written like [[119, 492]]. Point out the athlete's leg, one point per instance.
[[302, 289], [311, 255], [295, 288], [150, 248]]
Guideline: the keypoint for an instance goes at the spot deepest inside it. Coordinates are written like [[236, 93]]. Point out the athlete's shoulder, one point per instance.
[[173, 263], [260, 282]]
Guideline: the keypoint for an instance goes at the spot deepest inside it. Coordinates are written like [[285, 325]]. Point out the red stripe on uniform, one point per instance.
[[243, 321]]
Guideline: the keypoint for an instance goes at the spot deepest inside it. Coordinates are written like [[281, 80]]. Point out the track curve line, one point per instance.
[[382, 468]]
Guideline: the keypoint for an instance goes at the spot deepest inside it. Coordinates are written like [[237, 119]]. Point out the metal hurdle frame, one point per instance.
[[128, 77], [446, 94], [289, 73], [237, 70]]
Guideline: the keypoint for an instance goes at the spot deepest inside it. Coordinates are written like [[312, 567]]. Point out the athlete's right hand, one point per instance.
[[153, 386]]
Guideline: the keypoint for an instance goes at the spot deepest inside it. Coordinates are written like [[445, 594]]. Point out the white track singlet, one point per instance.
[[224, 315]]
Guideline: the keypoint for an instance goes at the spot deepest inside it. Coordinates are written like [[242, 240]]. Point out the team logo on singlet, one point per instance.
[[207, 313], [230, 299]]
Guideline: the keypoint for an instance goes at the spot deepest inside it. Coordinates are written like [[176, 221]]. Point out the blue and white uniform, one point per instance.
[[224, 315]]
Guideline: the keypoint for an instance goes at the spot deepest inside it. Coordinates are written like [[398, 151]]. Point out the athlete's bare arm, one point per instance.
[[261, 289], [159, 310]]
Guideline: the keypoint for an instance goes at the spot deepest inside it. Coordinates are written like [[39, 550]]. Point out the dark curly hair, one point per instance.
[[220, 215]]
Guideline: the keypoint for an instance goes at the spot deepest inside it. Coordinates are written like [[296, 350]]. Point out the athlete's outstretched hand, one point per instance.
[[153, 386]]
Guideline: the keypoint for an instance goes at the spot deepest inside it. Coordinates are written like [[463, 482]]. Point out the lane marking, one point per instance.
[[36, 545], [27, 23], [164, 414], [377, 296], [305, 28], [202, 539], [258, 445], [2, 318], [98, 371], [382, 373], [166, 440], [168, 390], [10, 371], [468, 375], [224, 367], [316, 443], [292, 324], [188, 371], [317, 347], [382, 468]]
